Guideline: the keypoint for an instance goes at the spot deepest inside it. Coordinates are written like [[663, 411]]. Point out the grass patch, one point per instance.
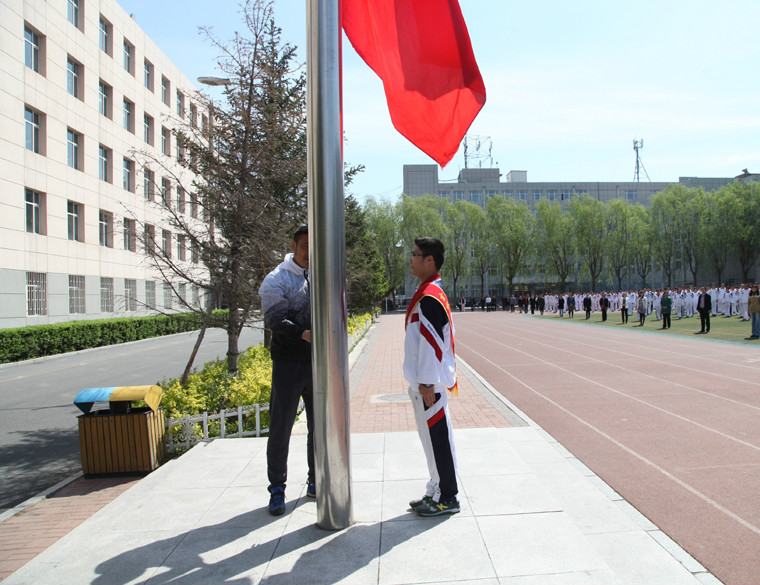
[[723, 328]]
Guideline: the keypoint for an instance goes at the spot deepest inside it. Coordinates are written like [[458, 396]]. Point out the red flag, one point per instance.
[[422, 52]]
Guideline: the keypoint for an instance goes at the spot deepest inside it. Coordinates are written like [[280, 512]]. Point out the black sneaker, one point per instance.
[[311, 490], [414, 504], [434, 508], [277, 501]]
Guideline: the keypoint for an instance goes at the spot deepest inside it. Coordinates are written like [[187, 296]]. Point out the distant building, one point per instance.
[[84, 92], [477, 185]]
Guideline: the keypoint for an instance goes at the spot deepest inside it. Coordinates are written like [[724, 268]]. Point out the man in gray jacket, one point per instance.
[[285, 301]]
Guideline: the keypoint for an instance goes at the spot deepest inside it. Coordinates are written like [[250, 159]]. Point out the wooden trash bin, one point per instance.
[[121, 439]]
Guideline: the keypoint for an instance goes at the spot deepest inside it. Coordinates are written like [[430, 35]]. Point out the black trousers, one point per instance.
[[704, 320], [291, 380], [666, 321], [604, 314]]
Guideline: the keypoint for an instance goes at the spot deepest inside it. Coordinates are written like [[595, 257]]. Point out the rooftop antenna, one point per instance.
[[637, 146], [476, 150]]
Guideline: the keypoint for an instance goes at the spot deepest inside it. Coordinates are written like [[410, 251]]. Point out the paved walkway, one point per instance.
[[531, 513]]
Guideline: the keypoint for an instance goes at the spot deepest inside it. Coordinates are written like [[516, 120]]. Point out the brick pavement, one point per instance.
[[27, 534], [379, 404]]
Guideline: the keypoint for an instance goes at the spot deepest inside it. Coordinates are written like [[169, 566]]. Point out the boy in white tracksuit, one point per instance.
[[430, 369]]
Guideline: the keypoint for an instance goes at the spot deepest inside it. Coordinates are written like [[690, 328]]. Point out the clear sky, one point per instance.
[[569, 85]]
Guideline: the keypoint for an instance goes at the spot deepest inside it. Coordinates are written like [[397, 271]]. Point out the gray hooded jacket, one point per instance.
[[285, 301]]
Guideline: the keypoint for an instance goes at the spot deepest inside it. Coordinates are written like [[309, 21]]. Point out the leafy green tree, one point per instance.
[[619, 234], [666, 229], [365, 273], [384, 222], [457, 242], [590, 226], [482, 245], [555, 238], [692, 205], [721, 216], [642, 241], [745, 240], [511, 225]]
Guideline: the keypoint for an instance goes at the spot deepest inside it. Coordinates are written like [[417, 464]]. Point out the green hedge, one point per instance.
[[26, 343]]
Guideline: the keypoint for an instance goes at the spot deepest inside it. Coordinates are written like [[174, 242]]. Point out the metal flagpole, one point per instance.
[[327, 245]]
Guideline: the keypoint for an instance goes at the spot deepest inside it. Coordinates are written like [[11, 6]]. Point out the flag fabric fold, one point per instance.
[[422, 52]]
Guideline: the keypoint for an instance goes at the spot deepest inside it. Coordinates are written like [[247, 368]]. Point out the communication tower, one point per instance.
[[477, 149], [637, 146]]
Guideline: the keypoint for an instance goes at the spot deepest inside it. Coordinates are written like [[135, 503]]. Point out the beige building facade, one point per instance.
[[87, 99]]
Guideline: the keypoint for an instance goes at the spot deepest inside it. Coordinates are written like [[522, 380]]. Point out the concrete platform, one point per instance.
[[531, 514]]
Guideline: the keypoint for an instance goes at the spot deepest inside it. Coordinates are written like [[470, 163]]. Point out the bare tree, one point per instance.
[[241, 169]]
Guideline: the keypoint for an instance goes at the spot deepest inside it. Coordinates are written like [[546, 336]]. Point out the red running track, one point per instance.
[[672, 424]]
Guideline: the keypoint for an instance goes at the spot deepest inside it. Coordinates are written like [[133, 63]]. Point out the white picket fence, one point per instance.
[[195, 429]]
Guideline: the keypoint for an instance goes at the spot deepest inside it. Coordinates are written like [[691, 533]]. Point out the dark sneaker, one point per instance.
[[277, 501], [311, 490], [438, 508], [414, 504]]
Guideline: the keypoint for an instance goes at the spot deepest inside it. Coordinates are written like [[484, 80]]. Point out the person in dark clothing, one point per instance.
[[286, 303], [604, 305], [587, 306], [704, 306]]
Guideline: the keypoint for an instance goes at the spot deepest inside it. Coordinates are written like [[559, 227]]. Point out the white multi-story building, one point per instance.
[[86, 98]]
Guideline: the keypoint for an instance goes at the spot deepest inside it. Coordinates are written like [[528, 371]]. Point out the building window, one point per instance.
[[129, 57], [180, 150], [128, 174], [31, 49], [566, 194], [522, 195], [148, 129], [73, 78], [73, 12], [475, 196], [32, 128], [180, 104], [73, 150], [630, 194], [166, 243], [537, 195], [76, 294], [181, 248], [104, 164], [150, 294], [105, 229], [129, 116], [196, 296], [551, 195], [165, 90], [105, 36], [193, 116], [130, 294], [458, 195], [148, 74], [149, 239], [167, 296], [106, 295], [182, 292], [130, 235], [148, 184], [75, 221], [34, 212], [194, 252], [104, 99], [193, 205], [166, 141], [36, 293], [180, 200], [166, 192]]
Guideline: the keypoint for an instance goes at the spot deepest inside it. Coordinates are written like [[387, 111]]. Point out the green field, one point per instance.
[[723, 328]]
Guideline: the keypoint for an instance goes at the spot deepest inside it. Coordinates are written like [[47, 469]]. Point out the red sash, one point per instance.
[[428, 288]]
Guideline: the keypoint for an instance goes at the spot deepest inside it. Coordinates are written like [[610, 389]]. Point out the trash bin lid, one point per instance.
[[150, 394]]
